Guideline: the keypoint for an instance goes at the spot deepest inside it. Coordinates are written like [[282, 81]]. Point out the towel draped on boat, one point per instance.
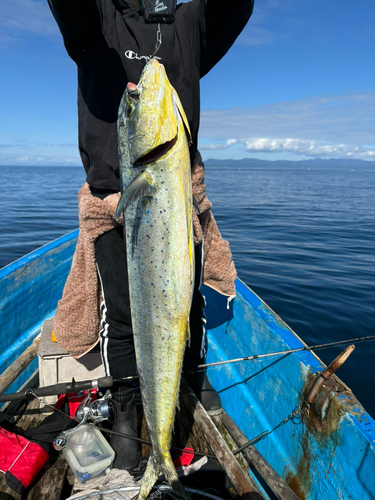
[[77, 320]]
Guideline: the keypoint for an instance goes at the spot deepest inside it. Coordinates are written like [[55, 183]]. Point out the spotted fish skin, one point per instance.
[[156, 201]]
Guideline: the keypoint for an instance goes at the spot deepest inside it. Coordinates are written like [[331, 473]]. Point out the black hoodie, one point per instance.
[[111, 43]]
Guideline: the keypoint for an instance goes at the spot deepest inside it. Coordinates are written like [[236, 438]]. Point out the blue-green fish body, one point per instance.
[[157, 203]]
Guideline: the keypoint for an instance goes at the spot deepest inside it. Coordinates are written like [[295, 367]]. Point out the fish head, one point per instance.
[[152, 112]]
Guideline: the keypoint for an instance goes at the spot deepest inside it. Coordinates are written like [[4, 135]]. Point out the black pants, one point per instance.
[[117, 346]]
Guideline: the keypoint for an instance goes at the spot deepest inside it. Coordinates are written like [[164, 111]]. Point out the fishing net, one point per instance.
[[120, 485], [109, 487]]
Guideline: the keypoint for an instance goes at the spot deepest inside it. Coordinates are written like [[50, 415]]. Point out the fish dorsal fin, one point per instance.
[[181, 112], [188, 338], [141, 186]]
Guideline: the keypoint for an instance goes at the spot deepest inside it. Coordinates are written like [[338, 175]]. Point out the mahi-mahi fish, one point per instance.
[[156, 201]]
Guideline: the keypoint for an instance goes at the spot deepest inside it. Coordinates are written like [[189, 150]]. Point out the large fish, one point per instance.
[[156, 200]]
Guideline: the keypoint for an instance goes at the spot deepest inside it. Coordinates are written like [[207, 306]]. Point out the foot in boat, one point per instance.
[[128, 451], [204, 391]]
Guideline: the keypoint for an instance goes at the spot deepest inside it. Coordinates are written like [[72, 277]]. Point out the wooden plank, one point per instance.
[[187, 433], [5, 492], [230, 442], [17, 367], [278, 486], [239, 479], [13, 410], [31, 417], [51, 482]]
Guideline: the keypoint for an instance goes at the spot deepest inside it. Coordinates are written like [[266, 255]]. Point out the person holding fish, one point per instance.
[[115, 44]]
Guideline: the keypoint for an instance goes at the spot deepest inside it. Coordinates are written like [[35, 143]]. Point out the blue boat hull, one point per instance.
[[29, 290], [328, 456]]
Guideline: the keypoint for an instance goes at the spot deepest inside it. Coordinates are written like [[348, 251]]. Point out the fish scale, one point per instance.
[[157, 204]]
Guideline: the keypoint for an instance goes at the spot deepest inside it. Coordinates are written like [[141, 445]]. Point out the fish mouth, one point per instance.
[[134, 91], [156, 153]]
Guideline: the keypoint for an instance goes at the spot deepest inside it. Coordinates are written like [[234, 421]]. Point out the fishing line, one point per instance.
[[202, 367], [288, 351]]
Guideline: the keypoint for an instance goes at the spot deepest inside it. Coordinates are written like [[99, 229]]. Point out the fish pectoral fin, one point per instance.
[[143, 185]]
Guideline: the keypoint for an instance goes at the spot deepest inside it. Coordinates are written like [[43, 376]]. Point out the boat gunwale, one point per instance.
[[10, 268]]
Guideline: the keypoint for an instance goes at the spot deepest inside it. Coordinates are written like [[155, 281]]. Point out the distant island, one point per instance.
[[314, 163]]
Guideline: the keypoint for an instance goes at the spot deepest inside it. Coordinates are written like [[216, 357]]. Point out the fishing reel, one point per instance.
[[158, 11], [89, 410], [96, 411]]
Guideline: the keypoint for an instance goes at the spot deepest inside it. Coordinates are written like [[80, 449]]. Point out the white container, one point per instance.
[[88, 453]]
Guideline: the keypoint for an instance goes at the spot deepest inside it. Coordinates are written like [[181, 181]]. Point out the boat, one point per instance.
[[321, 447]]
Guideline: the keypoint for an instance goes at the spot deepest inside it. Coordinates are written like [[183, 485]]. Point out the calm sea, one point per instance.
[[303, 240]]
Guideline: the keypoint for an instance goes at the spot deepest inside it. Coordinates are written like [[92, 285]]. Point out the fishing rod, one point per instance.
[[57, 389], [288, 351], [106, 382]]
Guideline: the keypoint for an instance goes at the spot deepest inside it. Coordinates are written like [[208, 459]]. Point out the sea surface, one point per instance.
[[303, 240]]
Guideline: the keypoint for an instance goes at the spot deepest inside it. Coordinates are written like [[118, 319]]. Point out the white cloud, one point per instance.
[[256, 36], [11, 146], [38, 160], [25, 16], [336, 125], [315, 149], [219, 145], [261, 30]]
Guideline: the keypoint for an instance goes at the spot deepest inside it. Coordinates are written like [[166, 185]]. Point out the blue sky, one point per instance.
[[297, 84]]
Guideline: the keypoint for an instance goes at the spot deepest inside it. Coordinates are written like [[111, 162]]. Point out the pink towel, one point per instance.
[[77, 319]]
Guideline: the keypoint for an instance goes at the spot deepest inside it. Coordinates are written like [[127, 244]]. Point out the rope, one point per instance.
[[121, 434], [295, 416], [145, 441]]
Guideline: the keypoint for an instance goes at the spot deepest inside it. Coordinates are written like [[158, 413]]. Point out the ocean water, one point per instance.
[[303, 240]]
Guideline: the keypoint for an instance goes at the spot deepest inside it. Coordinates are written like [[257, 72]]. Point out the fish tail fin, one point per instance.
[[169, 471], [149, 479], [154, 468]]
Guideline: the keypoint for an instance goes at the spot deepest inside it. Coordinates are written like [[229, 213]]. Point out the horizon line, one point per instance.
[[214, 159]]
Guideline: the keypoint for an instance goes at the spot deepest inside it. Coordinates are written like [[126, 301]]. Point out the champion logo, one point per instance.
[[130, 54]]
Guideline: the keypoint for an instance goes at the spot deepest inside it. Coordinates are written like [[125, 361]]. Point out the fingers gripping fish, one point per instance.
[[156, 200]]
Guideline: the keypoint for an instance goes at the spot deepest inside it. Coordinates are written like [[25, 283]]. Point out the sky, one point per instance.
[[297, 84]]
